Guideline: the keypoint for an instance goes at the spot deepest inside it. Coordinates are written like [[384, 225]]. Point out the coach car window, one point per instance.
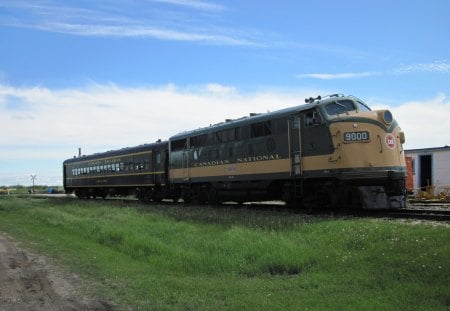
[[339, 107]]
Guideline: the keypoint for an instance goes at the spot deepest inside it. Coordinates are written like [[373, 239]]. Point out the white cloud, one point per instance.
[[143, 31], [437, 66], [220, 89], [425, 123], [334, 76], [433, 67], [125, 21], [111, 115], [195, 4]]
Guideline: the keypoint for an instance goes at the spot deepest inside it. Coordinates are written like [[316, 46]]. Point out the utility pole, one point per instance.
[[33, 178]]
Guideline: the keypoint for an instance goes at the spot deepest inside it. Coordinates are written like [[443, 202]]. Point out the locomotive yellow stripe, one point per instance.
[[236, 169]]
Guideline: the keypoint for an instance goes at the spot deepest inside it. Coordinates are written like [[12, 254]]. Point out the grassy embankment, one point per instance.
[[177, 257]]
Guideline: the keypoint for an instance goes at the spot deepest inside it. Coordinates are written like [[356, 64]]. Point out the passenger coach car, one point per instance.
[[140, 171]]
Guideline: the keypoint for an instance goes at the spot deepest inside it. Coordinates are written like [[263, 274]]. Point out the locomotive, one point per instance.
[[331, 151]]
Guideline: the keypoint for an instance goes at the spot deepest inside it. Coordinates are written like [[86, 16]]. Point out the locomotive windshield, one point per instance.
[[343, 106], [362, 106]]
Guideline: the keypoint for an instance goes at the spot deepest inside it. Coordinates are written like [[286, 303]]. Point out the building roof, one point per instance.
[[432, 149]]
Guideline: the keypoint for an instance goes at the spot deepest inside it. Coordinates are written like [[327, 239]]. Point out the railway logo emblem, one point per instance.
[[390, 141]]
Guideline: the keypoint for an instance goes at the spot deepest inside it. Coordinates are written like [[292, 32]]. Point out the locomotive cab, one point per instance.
[[367, 159]]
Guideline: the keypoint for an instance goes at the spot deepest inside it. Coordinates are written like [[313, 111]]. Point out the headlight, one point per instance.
[[387, 117]]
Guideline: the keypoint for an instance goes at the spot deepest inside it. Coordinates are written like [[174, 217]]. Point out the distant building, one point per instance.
[[428, 167]]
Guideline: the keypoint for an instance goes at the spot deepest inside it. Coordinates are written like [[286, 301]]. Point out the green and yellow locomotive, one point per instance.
[[331, 151]]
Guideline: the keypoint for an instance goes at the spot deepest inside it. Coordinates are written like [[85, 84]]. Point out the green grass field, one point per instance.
[[176, 257]]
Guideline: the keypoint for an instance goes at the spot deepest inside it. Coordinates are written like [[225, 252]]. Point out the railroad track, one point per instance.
[[434, 212], [417, 214], [424, 214]]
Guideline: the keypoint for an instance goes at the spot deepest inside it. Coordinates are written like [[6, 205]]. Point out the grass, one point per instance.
[[175, 257]]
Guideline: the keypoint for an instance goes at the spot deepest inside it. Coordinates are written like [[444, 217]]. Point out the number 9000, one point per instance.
[[356, 136]]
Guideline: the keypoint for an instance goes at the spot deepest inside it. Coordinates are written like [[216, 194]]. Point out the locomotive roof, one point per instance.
[[311, 103], [118, 152]]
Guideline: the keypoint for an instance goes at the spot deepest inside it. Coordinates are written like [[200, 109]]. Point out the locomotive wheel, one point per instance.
[[187, 198], [82, 194], [212, 196]]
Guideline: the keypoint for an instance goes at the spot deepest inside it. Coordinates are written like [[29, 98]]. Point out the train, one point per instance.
[[331, 151]]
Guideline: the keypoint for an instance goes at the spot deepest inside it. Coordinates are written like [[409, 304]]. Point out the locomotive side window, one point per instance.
[[312, 118], [179, 144], [228, 135], [261, 129], [339, 107], [199, 141]]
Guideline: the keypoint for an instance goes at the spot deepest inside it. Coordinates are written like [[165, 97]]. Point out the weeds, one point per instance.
[[178, 257]]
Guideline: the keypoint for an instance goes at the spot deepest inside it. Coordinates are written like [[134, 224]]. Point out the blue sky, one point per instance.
[[107, 74]]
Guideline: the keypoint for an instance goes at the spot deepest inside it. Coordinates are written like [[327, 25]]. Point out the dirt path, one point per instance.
[[29, 282]]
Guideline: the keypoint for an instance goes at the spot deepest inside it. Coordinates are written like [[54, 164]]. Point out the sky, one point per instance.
[[106, 74]]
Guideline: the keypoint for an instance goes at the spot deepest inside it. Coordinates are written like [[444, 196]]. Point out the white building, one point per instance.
[[430, 167]]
